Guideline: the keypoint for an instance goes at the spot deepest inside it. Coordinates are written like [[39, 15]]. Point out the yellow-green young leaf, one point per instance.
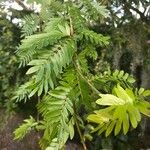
[[130, 93], [125, 123], [106, 110], [146, 93], [117, 112], [136, 112], [97, 118], [110, 128], [118, 127], [97, 128], [141, 90], [144, 108], [121, 93], [144, 111], [103, 128], [109, 99], [132, 117]]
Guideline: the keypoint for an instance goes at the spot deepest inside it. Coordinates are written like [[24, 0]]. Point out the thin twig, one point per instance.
[[85, 79], [78, 128], [38, 115]]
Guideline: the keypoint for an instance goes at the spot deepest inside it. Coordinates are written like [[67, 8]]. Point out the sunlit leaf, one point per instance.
[[108, 99]]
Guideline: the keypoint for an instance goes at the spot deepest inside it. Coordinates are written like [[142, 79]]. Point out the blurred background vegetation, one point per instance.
[[129, 50]]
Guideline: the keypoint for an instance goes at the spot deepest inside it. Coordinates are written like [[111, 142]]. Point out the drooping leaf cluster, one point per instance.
[[59, 74]]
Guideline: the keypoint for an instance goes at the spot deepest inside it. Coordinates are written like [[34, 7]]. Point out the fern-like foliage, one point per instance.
[[26, 127], [50, 65], [94, 38], [30, 24], [57, 110], [111, 78], [59, 74], [93, 9], [31, 44], [22, 94], [89, 51]]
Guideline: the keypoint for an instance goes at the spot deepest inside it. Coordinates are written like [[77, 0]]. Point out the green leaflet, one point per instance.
[[32, 70], [71, 128], [132, 117], [109, 128], [97, 118], [118, 127], [125, 120], [108, 99], [103, 128], [125, 76], [144, 108], [121, 93], [121, 73], [146, 93], [130, 93], [141, 90]]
